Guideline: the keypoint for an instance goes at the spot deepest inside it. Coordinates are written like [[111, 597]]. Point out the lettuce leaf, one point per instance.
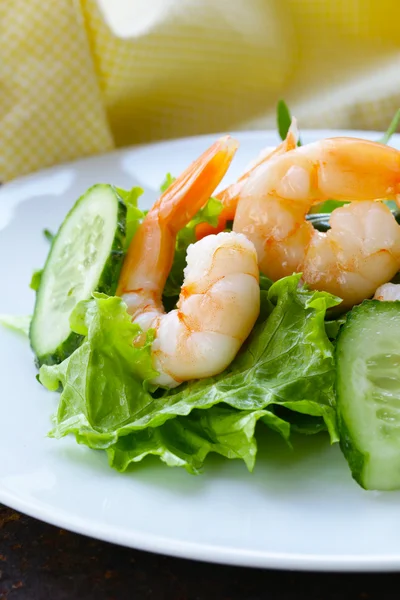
[[186, 441], [332, 328], [17, 323], [105, 381], [169, 180], [134, 216], [287, 362], [36, 279]]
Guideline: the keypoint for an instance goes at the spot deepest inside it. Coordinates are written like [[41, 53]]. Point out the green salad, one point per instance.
[[305, 368]]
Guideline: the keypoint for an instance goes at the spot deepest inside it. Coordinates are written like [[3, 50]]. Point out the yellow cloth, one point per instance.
[[70, 87]]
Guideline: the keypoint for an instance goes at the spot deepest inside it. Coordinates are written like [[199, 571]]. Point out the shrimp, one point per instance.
[[361, 251], [220, 296], [388, 292], [229, 197]]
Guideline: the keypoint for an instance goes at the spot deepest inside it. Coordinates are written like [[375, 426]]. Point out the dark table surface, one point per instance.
[[40, 561]]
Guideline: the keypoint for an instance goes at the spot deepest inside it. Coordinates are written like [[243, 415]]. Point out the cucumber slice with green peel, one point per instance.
[[86, 256], [368, 393]]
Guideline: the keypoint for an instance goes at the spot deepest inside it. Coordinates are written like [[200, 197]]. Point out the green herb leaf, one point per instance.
[[284, 120], [329, 205], [394, 124], [36, 279]]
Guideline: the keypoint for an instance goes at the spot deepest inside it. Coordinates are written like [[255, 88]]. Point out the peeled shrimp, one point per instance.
[[219, 299], [388, 292], [361, 251], [229, 197]]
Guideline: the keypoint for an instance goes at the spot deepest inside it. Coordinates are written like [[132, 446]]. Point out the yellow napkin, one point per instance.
[[76, 78]]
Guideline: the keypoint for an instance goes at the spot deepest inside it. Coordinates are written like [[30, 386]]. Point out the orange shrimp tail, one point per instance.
[[150, 254], [188, 194]]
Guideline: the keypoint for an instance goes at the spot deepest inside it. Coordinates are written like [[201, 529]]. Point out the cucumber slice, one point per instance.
[[368, 393], [85, 256]]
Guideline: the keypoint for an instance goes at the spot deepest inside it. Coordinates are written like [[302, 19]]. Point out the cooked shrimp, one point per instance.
[[388, 292], [219, 300], [229, 197], [361, 250]]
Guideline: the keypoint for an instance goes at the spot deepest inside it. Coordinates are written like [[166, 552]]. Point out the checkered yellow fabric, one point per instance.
[[70, 87]]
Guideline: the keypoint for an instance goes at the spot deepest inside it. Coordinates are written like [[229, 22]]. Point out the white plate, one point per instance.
[[298, 510]]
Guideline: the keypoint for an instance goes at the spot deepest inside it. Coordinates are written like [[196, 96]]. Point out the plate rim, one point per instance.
[[216, 554]]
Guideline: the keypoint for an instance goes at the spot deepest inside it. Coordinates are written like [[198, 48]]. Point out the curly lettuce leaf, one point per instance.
[[287, 362], [300, 422], [36, 279], [103, 389], [332, 328], [169, 180], [134, 216], [105, 381], [17, 323], [186, 441]]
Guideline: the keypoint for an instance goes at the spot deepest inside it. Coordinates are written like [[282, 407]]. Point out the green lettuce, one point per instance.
[[169, 180], [105, 381], [107, 401], [17, 323], [287, 361], [36, 279], [134, 216], [332, 328], [186, 441]]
